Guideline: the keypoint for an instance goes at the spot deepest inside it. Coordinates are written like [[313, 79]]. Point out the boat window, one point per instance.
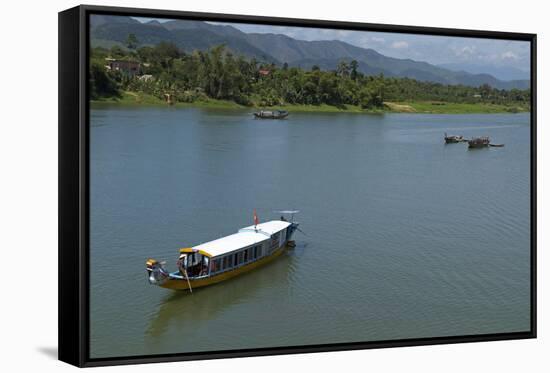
[[246, 255], [274, 241], [236, 260], [241, 256], [217, 263], [225, 262]]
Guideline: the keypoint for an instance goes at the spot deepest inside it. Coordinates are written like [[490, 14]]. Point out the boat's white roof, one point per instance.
[[268, 227], [245, 237]]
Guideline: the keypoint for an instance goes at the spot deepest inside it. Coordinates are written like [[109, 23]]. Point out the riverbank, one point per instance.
[[434, 107], [421, 107]]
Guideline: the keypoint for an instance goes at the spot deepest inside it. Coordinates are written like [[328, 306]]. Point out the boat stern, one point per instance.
[[292, 228]]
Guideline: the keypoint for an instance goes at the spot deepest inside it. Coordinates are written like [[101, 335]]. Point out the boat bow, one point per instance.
[[156, 274]]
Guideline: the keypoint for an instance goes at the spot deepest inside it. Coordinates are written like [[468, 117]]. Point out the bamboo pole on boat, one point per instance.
[[187, 278]]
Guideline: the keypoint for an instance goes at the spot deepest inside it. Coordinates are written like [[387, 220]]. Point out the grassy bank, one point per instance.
[[423, 107], [431, 107], [142, 99]]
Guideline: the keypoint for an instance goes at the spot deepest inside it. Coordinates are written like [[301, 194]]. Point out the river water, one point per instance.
[[405, 237]]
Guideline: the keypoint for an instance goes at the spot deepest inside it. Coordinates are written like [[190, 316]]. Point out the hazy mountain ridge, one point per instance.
[[505, 73], [278, 48]]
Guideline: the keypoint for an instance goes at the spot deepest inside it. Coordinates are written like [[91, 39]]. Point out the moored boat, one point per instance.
[[453, 139], [226, 257], [479, 142], [271, 114]]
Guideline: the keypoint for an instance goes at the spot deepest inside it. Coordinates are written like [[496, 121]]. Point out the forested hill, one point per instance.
[[167, 73], [108, 31]]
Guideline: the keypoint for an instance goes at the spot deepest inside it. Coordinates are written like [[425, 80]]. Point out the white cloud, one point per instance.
[[509, 56], [400, 45], [465, 51], [378, 40]]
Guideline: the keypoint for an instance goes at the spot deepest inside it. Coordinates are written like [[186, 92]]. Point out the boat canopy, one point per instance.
[[247, 236], [268, 227], [192, 250]]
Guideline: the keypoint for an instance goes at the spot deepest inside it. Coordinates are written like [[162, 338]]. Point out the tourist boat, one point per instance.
[[271, 114], [479, 142], [453, 139], [227, 257]]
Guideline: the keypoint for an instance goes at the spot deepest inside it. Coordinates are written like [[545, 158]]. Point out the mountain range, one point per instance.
[[499, 72], [277, 48]]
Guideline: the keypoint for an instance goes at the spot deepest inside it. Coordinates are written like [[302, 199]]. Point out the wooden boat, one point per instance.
[[453, 139], [219, 260], [271, 114], [479, 142]]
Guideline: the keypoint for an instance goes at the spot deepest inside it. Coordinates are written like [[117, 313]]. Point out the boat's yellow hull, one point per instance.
[[177, 284]]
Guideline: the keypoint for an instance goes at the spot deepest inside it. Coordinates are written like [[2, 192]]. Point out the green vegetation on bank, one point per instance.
[[128, 98], [217, 78], [422, 107], [437, 107]]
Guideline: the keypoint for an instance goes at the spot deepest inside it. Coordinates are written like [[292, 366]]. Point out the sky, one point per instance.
[[474, 53], [432, 49]]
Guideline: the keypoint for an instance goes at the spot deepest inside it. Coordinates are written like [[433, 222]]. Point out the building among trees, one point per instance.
[[128, 67]]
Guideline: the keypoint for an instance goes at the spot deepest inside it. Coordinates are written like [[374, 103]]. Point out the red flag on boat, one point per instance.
[[256, 220]]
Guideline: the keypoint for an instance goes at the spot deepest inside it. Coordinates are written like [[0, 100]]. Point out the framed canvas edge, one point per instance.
[[74, 106], [71, 269]]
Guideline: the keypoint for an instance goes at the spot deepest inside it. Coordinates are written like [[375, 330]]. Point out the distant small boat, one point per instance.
[[271, 114], [453, 139], [479, 142]]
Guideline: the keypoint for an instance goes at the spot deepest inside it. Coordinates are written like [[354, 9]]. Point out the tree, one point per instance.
[[353, 65], [485, 90], [132, 41], [343, 69], [164, 50], [117, 52], [219, 74], [372, 94], [164, 53], [101, 84], [145, 54]]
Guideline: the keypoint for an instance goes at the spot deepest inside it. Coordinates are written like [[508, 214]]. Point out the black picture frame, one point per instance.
[[74, 160]]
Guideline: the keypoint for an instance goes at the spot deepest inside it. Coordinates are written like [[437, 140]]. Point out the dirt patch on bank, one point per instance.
[[399, 107]]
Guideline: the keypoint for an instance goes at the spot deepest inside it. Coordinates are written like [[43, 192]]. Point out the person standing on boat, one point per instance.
[[181, 264], [205, 265]]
